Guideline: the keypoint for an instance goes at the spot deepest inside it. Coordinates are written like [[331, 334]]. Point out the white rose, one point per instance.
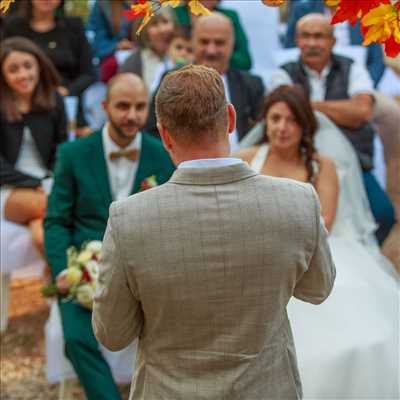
[[84, 257], [93, 269], [84, 296], [94, 246], [73, 276]]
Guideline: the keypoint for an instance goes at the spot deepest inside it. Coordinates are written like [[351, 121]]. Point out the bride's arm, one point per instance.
[[327, 187]]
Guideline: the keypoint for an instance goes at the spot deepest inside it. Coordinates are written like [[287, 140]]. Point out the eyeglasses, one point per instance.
[[316, 36]]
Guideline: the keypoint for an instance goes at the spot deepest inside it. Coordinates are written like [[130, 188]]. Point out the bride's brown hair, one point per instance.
[[300, 106]]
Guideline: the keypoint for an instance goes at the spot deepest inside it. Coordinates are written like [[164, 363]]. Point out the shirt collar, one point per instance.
[[110, 145], [210, 162], [310, 72]]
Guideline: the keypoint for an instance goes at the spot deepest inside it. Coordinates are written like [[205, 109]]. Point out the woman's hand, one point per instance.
[[63, 91]]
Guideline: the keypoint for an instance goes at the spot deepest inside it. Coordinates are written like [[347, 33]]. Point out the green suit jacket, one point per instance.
[[81, 196]]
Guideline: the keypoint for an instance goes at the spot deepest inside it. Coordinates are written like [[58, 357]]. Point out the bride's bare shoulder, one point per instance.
[[247, 154], [324, 162]]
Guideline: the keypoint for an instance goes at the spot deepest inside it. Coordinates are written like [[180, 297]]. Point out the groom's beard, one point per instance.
[[131, 125]]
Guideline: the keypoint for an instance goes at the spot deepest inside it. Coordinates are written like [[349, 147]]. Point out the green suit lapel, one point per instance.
[[99, 169], [146, 167]]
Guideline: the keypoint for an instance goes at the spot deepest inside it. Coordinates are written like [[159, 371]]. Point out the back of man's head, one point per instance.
[[192, 106]]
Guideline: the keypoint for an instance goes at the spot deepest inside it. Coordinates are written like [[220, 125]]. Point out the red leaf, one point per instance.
[[392, 48], [350, 10]]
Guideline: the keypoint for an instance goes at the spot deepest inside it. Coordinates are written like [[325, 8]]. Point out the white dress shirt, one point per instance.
[[29, 160], [121, 171], [210, 162], [359, 81]]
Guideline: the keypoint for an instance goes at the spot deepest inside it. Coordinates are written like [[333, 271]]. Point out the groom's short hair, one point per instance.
[[191, 103]]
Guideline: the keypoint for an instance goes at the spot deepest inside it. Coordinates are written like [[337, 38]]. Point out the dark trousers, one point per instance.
[[381, 206], [82, 349]]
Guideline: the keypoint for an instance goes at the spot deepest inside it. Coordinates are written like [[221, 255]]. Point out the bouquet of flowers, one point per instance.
[[80, 277]]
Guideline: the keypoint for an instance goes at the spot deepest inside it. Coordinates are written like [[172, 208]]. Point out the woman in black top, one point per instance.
[[62, 39], [32, 124]]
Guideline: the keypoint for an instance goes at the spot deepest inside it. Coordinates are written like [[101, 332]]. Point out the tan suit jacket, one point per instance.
[[202, 269]]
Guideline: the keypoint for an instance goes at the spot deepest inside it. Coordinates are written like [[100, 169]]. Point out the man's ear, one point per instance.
[[165, 136], [231, 118], [104, 105]]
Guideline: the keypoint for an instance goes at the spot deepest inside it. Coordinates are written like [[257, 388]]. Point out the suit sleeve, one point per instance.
[[58, 223], [257, 98], [117, 314], [316, 283], [86, 74]]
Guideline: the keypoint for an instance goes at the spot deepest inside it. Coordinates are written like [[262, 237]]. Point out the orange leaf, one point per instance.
[[197, 8], [5, 5]]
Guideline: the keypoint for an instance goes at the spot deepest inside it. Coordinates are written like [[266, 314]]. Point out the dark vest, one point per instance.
[[337, 85]]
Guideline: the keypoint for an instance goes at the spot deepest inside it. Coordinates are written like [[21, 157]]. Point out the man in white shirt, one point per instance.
[[205, 282], [343, 91], [90, 173]]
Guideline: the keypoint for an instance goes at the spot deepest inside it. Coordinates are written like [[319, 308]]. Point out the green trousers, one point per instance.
[[82, 349]]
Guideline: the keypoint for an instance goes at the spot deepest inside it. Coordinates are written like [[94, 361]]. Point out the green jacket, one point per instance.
[[81, 196], [241, 58]]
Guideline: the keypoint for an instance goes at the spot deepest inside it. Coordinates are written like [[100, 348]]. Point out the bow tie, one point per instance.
[[129, 154]]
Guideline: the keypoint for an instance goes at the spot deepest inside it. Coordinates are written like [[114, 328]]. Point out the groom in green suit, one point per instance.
[[90, 173]]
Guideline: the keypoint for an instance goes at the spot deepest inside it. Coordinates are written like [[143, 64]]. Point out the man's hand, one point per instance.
[[63, 91], [62, 284]]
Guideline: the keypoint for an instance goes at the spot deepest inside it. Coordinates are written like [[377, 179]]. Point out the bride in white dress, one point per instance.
[[347, 347]]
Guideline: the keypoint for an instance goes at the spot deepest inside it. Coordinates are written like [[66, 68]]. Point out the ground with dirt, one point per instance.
[[23, 361]]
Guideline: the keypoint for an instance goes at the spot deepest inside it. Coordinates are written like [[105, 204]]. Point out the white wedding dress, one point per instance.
[[348, 346]]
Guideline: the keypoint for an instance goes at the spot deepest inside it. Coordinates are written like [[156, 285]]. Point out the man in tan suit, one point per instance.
[[202, 267]]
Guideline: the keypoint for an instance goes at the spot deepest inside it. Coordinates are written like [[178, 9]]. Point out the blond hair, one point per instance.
[[191, 103]]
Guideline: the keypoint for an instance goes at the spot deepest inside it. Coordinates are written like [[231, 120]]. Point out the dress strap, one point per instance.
[[258, 160], [315, 171]]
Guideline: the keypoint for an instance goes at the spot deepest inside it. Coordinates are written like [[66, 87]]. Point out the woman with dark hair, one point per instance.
[[32, 124], [62, 39], [345, 345], [290, 153]]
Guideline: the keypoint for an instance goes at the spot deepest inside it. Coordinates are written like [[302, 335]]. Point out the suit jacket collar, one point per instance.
[[99, 170], [213, 175], [98, 166]]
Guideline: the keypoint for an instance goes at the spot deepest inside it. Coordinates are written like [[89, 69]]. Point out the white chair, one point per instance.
[[59, 369], [18, 255]]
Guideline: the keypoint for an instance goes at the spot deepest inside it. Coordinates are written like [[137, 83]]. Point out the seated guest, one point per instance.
[[152, 52], [32, 125], [90, 173], [345, 34], [344, 368], [240, 58], [212, 47], [63, 40], [111, 29], [180, 50], [342, 90]]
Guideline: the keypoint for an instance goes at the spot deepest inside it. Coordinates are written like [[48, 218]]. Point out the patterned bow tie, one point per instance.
[[129, 154]]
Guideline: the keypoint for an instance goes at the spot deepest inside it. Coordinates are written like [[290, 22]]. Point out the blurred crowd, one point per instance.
[[65, 78]]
